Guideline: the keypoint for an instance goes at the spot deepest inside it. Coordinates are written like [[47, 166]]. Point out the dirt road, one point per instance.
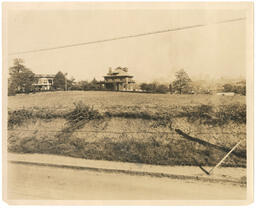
[[38, 182]]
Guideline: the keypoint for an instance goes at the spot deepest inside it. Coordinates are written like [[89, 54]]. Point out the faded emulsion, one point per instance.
[[155, 108]]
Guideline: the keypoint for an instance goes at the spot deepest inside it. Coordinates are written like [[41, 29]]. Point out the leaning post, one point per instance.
[[222, 160]]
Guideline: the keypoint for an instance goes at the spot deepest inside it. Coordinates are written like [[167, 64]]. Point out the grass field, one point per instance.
[[128, 126], [104, 100]]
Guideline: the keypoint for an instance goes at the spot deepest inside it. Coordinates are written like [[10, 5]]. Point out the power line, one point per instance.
[[125, 37]]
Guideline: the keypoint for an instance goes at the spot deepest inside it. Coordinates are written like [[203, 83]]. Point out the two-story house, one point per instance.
[[118, 80], [44, 82]]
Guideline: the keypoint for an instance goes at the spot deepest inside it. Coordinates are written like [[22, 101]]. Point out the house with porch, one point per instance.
[[118, 80], [44, 82]]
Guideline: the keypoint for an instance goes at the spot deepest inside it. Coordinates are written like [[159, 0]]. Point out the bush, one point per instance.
[[202, 113], [205, 114], [239, 89], [18, 117], [232, 112], [162, 89], [83, 113], [154, 88], [11, 91], [220, 115]]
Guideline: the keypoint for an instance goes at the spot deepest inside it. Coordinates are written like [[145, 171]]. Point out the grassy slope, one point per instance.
[[151, 148], [156, 148]]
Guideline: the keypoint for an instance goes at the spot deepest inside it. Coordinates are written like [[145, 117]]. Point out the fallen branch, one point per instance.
[[186, 136]]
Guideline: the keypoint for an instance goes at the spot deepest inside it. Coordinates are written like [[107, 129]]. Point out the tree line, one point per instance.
[[239, 89], [22, 80]]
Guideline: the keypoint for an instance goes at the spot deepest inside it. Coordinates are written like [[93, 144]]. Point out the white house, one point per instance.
[[44, 82]]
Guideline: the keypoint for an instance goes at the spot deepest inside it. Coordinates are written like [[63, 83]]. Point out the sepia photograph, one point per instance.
[[127, 103]]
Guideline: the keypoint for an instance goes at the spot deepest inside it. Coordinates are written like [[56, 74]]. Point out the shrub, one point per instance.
[[232, 112], [207, 114], [203, 113], [154, 88], [83, 113], [162, 89], [18, 117]]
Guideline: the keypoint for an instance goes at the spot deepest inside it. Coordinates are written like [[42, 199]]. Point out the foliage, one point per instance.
[[11, 88], [154, 87], [18, 117], [232, 112], [239, 89], [182, 83], [59, 81], [86, 86], [162, 88], [82, 112], [156, 149], [228, 88], [21, 78], [70, 83], [217, 116]]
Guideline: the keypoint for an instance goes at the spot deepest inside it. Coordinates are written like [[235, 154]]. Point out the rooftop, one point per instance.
[[119, 71], [45, 75]]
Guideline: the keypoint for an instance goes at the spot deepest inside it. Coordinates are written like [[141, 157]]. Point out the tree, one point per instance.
[[170, 88], [228, 88], [239, 89], [151, 87], [143, 86], [59, 81], [182, 83], [93, 85], [162, 88], [21, 78], [71, 83], [154, 87]]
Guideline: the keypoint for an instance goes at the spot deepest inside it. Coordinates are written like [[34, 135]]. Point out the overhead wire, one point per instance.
[[124, 37]]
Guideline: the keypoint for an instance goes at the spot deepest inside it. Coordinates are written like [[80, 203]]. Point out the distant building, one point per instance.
[[44, 82], [118, 80]]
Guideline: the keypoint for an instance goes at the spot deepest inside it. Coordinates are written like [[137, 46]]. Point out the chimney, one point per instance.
[[110, 70]]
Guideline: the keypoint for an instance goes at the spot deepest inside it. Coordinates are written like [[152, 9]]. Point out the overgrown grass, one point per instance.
[[154, 149], [205, 114], [218, 115], [18, 117]]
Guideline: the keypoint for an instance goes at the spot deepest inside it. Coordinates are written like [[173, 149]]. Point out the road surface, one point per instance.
[[28, 182]]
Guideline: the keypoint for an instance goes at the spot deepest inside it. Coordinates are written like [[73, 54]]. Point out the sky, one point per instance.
[[209, 52]]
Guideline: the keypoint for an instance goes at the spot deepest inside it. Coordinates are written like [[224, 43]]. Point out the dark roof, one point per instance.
[[119, 72], [45, 75]]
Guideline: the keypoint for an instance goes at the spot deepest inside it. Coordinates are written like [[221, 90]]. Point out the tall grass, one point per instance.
[[153, 149], [82, 113]]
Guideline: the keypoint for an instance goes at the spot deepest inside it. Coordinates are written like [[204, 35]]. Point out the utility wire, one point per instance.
[[125, 37]]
